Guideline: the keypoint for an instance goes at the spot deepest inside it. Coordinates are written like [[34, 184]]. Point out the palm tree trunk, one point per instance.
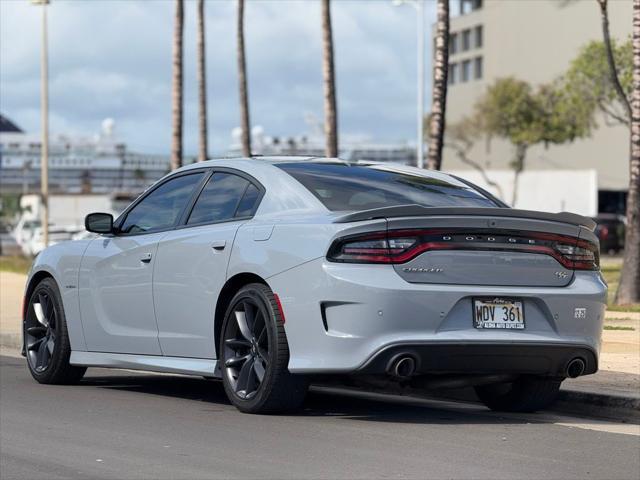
[[440, 74], [328, 73], [518, 166], [629, 288], [242, 85], [176, 147], [202, 85]]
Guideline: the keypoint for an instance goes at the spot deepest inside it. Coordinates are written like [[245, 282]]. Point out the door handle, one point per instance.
[[219, 244], [146, 258]]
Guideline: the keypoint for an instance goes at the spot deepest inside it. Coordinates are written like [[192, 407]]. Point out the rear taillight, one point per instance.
[[400, 246]]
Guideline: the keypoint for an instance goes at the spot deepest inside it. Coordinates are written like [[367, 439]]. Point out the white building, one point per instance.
[[535, 41]]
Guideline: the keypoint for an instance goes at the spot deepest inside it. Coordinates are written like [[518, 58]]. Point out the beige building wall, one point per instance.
[[535, 40]]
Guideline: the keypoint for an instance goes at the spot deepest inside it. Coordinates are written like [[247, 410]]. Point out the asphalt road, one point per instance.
[[130, 425]]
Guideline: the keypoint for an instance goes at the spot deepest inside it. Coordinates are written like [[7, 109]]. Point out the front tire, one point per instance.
[[46, 338], [526, 394], [255, 354]]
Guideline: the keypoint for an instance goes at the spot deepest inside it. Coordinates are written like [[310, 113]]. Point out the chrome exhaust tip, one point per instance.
[[575, 368], [403, 366]]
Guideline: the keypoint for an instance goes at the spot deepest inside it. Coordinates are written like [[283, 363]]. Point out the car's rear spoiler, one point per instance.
[[415, 210]]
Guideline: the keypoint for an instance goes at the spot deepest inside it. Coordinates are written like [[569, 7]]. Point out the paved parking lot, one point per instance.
[[129, 425]]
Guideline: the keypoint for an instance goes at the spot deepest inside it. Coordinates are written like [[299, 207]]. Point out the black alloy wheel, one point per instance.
[[46, 339], [246, 347], [254, 354], [40, 331]]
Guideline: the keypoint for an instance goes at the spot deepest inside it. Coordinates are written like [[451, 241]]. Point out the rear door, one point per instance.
[[192, 263]]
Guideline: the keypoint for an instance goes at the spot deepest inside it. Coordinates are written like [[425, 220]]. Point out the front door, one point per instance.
[[116, 301], [116, 273]]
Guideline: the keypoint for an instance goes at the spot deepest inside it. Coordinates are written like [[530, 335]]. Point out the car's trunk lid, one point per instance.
[[484, 246]]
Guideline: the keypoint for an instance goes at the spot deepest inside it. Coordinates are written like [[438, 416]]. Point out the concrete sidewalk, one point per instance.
[[616, 385], [11, 291]]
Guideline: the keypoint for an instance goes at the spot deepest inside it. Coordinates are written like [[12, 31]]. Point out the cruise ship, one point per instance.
[[77, 164], [102, 164], [352, 147]]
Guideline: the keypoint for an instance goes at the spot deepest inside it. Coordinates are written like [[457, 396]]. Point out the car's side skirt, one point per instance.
[[188, 366]]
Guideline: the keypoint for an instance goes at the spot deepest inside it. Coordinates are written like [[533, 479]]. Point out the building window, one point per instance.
[[466, 71], [468, 6], [477, 33], [453, 43], [477, 68], [453, 73], [466, 40]]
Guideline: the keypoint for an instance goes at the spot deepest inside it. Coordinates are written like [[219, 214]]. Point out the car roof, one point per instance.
[[258, 161]]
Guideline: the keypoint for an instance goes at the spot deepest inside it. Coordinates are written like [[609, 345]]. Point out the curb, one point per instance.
[[570, 401], [606, 405], [599, 404], [11, 340]]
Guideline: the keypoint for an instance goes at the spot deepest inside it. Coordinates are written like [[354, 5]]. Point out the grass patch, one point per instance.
[[618, 327], [15, 264], [611, 274], [634, 307]]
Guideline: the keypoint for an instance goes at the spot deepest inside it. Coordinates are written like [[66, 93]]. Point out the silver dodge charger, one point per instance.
[[270, 273]]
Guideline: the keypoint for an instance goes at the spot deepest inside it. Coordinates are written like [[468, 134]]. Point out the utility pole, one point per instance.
[[419, 6], [420, 28], [44, 121]]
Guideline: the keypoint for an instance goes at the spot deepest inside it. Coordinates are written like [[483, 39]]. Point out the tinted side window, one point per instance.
[[161, 208], [248, 204], [219, 199]]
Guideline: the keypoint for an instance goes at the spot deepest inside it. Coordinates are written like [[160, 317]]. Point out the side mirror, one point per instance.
[[99, 223]]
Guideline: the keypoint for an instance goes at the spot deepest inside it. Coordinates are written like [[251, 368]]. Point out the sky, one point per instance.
[[112, 58]]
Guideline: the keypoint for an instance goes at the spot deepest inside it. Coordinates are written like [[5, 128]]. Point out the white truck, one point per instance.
[[66, 217]]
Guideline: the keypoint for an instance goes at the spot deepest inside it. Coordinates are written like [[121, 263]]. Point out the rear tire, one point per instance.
[[46, 338], [526, 394], [254, 355]]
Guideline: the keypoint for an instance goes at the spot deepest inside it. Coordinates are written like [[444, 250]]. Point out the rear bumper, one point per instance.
[[484, 358], [346, 318]]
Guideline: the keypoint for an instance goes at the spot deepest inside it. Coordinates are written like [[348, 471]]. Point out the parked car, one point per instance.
[[35, 244], [267, 272], [610, 231]]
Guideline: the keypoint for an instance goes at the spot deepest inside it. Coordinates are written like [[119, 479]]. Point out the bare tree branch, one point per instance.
[[610, 114], [622, 97], [462, 146]]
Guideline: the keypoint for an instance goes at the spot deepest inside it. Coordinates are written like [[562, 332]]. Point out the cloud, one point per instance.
[[112, 58]]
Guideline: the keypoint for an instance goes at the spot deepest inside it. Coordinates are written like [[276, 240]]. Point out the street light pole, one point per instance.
[[420, 30], [44, 119], [419, 6]]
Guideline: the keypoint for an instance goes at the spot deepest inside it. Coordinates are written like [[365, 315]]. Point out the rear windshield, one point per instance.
[[344, 187]]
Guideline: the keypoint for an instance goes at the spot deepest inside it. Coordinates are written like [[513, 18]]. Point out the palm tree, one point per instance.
[[202, 85], [176, 147], [629, 288], [328, 72], [439, 95], [242, 84]]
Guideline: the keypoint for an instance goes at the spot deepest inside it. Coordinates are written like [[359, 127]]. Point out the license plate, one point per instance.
[[498, 313]]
